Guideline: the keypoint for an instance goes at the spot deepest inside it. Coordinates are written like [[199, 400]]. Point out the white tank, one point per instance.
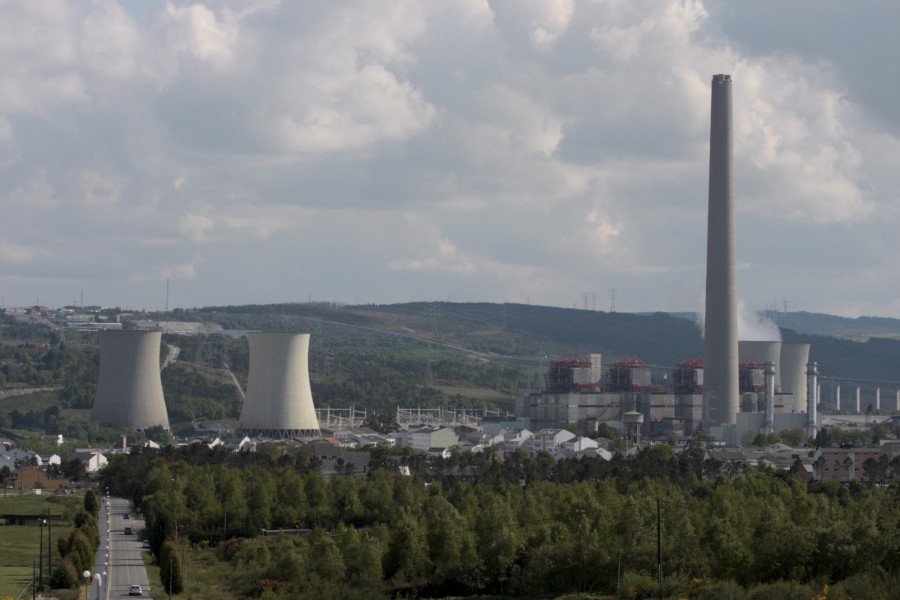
[[129, 391], [764, 352], [279, 401], [794, 358]]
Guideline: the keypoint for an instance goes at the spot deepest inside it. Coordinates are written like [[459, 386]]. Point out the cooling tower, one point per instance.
[[764, 352], [794, 358], [279, 400], [720, 356], [129, 391]]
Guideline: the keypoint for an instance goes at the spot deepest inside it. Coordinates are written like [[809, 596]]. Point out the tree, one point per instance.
[[91, 503], [382, 421], [63, 576], [170, 568], [159, 435], [605, 430]]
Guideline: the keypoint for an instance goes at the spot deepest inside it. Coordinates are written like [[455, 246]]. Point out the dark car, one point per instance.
[[127, 516], [129, 531]]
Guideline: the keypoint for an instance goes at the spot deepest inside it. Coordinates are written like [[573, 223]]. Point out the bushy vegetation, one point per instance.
[[474, 524]]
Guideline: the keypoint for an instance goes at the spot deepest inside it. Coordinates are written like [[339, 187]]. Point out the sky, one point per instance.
[[550, 152]]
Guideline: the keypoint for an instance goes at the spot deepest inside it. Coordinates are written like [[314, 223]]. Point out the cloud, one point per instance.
[[489, 150], [201, 34], [16, 253], [196, 227]]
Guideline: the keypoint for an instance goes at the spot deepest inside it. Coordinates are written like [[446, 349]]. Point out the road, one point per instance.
[[171, 357], [119, 554]]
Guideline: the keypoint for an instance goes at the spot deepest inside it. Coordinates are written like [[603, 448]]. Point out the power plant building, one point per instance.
[[279, 401], [129, 390], [625, 387], [670, 405]]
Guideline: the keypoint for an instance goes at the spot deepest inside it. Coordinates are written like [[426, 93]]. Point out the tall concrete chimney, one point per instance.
[[721, 393], [812, 375], [769, 425]]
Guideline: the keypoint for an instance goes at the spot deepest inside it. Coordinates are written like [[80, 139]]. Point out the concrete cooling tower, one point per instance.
[[279, 401], [793, 374], [129, 391], [764, 352], [720, 354]]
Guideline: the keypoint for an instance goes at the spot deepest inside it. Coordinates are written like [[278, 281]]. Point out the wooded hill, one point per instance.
[[383, 356], [536, 334]]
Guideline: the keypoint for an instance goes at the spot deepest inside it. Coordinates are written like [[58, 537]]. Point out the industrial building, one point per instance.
[[129, 390], [279, 401], [584, 393]]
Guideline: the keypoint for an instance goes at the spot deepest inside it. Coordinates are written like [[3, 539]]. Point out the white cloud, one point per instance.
[[182, 271], [201, 34], [489, 150], [102, 190], [196, 227], [36, 192], [16, 253]]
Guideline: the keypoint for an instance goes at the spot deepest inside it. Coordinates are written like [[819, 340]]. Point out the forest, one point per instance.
[[475, 524]]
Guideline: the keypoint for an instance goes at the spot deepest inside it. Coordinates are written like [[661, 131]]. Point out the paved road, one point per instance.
[[119, 555]]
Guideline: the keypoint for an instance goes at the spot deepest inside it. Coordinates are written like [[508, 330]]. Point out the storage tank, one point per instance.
[[129, 389], [279, 401], [794, 358]]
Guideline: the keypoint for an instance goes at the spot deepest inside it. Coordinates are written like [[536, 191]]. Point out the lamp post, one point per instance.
[[49, 543], [99, 581], [41, 556], [87, 583]]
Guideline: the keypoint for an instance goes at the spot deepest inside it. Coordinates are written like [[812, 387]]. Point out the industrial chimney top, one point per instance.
[[721, 78]]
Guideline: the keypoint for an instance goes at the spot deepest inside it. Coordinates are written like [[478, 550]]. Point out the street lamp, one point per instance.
[[99, 581], [42, 521], [49, 542], [87, 583]]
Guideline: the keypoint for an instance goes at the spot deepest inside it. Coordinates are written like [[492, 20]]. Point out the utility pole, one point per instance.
[[41, 556], [659, 549], [49, 544]]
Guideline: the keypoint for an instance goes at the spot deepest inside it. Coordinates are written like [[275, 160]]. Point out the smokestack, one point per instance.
[[812, 375], [769, 426], [129, 389], [721, 336], [279, 401]]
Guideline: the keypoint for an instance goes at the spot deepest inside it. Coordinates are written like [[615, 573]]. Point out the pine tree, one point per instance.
[[170, 568]]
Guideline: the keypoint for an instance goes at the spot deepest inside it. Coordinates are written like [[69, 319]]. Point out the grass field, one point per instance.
[[476, 395], [19, 543], [206, 576]]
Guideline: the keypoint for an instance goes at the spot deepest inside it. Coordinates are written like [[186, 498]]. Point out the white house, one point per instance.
[[580, 444], [45, 460], [92, 460], [425, 438], [548, 440], [513, 439]]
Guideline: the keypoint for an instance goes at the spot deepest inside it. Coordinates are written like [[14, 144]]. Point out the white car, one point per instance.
[[135, 590]]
